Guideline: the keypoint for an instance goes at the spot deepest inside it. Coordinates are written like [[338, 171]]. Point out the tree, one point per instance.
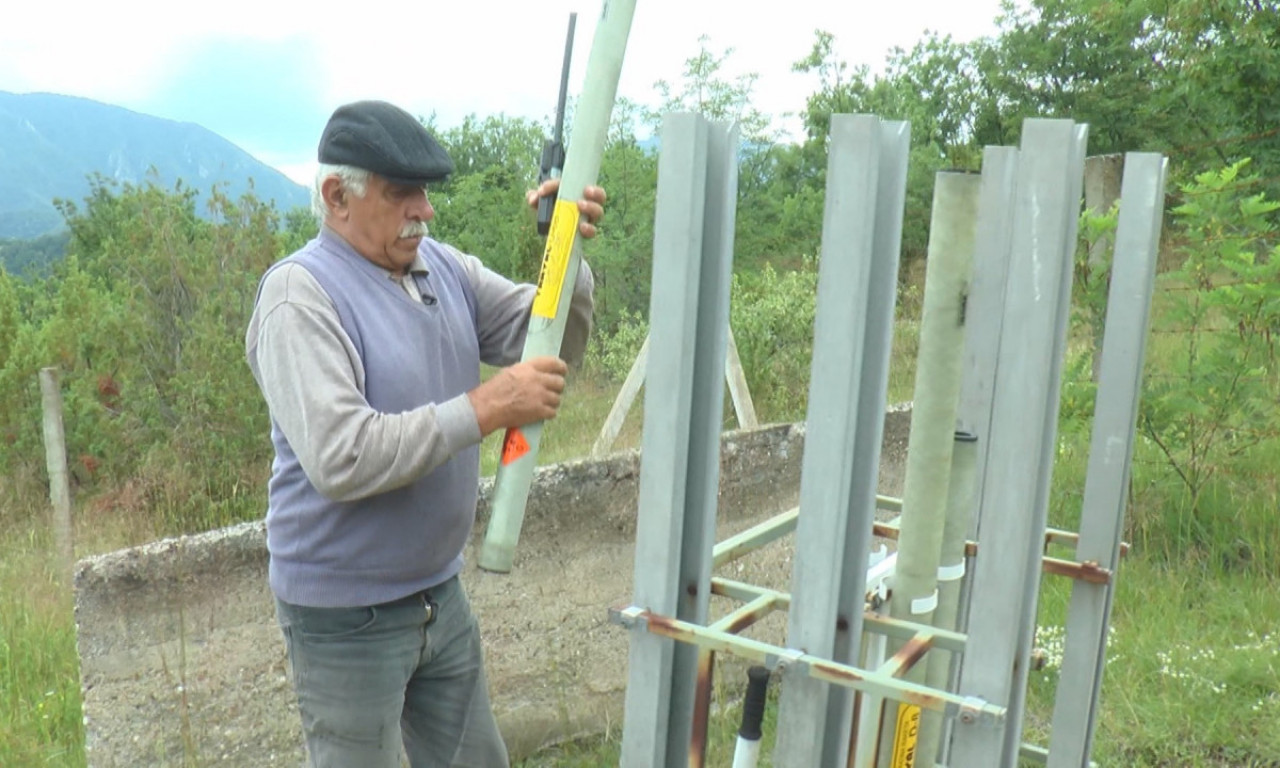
[[704, 89], [1218, 398], [939, 126], [33, 258], [1194, 78], [622, 254], [481, 209], [146, 319], [478, 145]]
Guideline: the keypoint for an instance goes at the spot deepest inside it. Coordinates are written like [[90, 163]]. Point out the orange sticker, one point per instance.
[[513, 446]]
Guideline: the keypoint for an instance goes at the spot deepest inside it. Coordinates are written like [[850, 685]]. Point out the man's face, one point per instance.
[[386, 225]]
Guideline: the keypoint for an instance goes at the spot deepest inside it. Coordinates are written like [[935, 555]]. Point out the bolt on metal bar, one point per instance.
[[1088, 571]]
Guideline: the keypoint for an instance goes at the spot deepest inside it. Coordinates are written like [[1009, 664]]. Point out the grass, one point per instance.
[[40, 719], [1193, 673]]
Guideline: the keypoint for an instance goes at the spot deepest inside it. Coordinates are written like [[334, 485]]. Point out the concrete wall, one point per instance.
[[182, 662]]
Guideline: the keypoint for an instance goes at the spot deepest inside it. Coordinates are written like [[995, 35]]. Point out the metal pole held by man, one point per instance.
[[560, 260]]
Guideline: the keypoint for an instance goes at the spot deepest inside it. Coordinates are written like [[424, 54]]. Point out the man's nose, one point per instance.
[[420, 209]]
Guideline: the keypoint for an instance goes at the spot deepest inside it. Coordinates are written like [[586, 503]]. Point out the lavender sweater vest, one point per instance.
[[389, 545]]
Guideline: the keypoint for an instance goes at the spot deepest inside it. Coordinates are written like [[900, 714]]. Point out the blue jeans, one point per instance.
[[375, 679]]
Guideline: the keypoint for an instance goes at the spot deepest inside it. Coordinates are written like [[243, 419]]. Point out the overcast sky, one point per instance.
[[266, 74]]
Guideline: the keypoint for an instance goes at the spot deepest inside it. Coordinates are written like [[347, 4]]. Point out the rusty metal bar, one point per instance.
[[743, 617], [908, 655], [969, 709], [701, 708], [733, 622]]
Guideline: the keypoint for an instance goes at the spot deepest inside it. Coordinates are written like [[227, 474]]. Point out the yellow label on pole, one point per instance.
[[555, 259], [905, 736]]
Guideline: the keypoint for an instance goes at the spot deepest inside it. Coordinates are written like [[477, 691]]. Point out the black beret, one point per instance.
[[382, 138]]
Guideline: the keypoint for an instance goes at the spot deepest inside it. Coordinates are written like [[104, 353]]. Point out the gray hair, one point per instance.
[[354, 180]]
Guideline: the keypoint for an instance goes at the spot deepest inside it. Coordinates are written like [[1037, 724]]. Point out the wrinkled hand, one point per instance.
[[591, 206], [519, 394]]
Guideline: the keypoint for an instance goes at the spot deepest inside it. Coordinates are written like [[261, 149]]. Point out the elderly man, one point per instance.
[[367, 345]]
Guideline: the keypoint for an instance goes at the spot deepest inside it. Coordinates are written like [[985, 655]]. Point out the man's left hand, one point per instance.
[[590, 207]]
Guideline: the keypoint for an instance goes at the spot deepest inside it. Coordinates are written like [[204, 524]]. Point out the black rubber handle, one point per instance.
[[753, 705]]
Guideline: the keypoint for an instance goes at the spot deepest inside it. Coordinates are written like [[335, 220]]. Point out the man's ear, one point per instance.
[[335, 196]]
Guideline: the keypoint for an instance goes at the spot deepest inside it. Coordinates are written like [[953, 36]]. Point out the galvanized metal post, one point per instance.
[[882, 295], [984, 316], [984, 308], [1111, 450], [684, 395], [1073, 189], [1023, 434], [560, 265], [702, 492], [834, 527]]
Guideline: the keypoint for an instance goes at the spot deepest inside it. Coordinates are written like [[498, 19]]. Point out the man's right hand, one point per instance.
[[519, 394]]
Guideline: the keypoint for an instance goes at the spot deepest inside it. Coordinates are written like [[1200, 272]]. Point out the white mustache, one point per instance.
[[416, 229]]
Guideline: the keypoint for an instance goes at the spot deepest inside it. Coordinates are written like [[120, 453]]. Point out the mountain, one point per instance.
[[50, 144]]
